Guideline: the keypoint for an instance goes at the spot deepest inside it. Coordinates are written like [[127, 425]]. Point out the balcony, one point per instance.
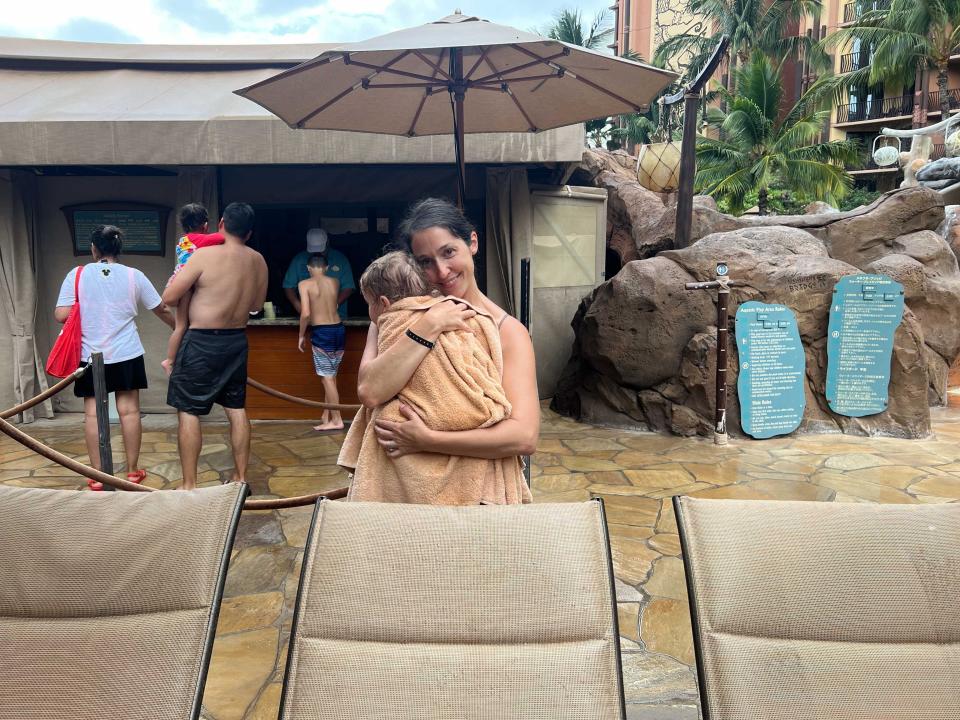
[[853, 11], [854, 61], [933, 100], [875, 109]]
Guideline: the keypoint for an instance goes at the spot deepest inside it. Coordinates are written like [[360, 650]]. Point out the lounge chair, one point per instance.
[[477, 613], [109, 601], [826, 611]]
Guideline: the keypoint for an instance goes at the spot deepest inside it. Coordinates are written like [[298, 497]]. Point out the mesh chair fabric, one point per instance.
[[106, 600], [455, 612], [826, 610]]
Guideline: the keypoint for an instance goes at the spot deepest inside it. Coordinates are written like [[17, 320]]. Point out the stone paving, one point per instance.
[[635, 473]]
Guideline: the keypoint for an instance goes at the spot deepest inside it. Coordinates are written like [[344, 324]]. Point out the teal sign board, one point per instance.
[[772, 370], [865, 313]]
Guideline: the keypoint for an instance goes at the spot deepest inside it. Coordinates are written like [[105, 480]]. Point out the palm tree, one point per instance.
[[568, 27], [749, 24], [907, 36], [759, 150]]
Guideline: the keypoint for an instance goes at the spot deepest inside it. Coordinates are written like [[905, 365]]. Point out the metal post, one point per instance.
[[722, 285], [720, 415], [688, 169], [525, 292], [525, 319], [101, 397]]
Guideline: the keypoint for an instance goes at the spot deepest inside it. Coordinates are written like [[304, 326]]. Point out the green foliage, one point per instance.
[[568, 26], [758, 150], [859, 196]]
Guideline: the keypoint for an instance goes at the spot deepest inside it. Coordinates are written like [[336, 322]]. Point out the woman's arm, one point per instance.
[[384, 375], [515, 435]]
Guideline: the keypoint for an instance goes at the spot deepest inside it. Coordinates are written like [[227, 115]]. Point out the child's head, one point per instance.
[[317, 264], [193, 218], [389, 278]]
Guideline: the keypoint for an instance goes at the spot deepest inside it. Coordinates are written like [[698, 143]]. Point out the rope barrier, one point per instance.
[[90, 472], [49, 392], [294, 399]]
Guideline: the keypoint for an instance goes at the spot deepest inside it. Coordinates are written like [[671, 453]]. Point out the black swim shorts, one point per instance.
[[211, 367]]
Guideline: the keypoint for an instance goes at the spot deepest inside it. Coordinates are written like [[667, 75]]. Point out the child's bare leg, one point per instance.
[[332, 396], [176, 337]]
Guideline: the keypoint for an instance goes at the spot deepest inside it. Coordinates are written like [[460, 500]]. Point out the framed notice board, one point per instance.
[[144, 226]]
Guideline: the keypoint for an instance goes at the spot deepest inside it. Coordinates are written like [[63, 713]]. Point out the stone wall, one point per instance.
[[645, 348]]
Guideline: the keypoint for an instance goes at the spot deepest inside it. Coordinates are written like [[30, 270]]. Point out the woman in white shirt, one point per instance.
[[110, 296]]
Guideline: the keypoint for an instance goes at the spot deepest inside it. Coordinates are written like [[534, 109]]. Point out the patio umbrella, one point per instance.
[[458, 75]]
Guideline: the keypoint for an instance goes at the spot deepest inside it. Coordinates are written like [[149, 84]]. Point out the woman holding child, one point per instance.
[[110, 294], [442, 243]]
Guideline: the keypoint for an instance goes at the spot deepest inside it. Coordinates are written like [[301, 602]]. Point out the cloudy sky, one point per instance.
[[256, 21]]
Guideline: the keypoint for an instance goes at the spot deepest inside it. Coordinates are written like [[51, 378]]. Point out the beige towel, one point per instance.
[[456, 387]]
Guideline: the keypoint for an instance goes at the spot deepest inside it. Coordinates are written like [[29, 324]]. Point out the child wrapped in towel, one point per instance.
[[456, 387]]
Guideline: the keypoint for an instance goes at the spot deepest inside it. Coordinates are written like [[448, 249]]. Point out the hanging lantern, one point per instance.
[[888, 153], [658, 166]]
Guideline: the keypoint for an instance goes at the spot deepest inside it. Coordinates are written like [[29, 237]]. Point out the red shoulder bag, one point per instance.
[[64, 356]]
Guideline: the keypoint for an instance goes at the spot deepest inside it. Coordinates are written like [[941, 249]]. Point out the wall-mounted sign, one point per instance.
[[864, 315], [144, 226], [772, 370]]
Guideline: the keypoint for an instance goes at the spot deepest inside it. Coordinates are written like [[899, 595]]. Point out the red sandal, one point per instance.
[[137, 477], [94, 485]]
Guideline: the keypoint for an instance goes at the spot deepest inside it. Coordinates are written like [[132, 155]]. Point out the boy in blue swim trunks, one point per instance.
[[318, 302]]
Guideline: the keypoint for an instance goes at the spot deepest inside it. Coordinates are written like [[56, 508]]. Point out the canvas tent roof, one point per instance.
[[64, 103]]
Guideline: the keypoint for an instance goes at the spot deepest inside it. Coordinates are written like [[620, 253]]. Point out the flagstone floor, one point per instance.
[[635, 473]]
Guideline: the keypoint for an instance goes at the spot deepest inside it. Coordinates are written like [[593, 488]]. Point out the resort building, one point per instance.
[[642, 25]]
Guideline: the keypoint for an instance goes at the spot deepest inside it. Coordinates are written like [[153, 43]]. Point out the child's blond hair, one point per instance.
[[394, 276]]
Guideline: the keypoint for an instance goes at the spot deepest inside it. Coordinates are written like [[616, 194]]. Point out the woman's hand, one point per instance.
[[403, 437], [444, 316]]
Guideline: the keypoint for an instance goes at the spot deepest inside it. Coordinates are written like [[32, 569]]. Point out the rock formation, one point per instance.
[[645, 347]]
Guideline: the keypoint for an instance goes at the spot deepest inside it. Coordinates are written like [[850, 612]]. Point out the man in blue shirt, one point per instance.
[[339, 268]]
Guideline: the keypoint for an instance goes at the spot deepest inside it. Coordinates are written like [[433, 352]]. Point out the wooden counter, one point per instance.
[[275, 361]]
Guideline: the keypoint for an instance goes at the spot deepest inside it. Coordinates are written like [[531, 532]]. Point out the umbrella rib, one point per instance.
[[540, 61], [428, 61], [590, 83], [296, 70], [506, 88], [350, 89], [412, 131], [477, 63], [388, 69]]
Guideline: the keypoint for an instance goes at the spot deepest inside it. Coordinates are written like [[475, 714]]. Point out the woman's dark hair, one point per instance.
[[433, 212], [192, 216], [107, 239]]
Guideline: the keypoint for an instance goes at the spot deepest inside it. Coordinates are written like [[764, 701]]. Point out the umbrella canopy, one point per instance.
[[460, 74]]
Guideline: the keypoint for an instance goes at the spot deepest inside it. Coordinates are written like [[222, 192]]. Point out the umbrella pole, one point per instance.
[[458, 90]]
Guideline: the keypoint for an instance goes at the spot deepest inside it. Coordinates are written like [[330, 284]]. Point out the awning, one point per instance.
[[154, 112]]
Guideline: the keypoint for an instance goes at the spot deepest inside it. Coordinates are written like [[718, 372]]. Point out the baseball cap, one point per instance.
[[316, 240]]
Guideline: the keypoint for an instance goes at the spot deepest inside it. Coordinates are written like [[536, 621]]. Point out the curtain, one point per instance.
[[197, 185], [508, 231], [19, 238]]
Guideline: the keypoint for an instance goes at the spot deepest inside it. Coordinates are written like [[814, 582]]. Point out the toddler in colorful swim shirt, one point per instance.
[[194, 221]]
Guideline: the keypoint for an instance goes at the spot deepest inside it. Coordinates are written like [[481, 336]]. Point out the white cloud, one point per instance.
[[264, 21]]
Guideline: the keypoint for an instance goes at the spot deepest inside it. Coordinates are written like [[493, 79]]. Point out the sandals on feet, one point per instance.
[[138, 476], [94, 485]]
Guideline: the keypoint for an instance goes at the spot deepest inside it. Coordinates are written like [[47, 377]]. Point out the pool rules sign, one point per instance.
[[864, 315], [772, 370]]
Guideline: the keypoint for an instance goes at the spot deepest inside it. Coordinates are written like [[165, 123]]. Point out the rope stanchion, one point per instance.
[[299, 400], [48, 393], [50, 454], [92, 473]]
